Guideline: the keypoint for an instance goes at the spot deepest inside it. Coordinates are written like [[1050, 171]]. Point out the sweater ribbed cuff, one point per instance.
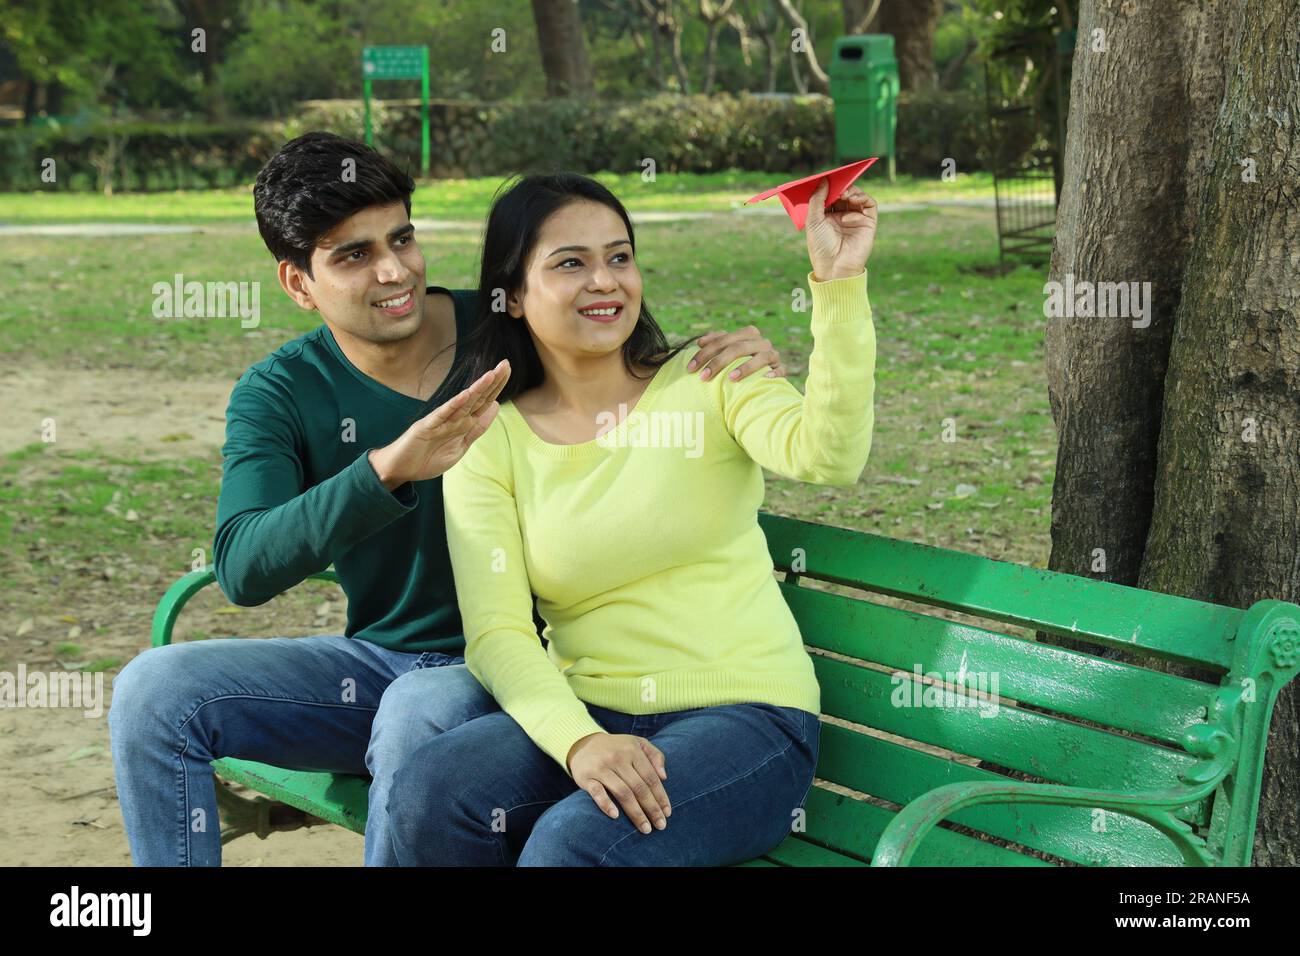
[[837, 301], [562, 733]]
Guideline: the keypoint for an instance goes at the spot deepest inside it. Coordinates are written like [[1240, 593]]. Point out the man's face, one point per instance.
[[367, 276]]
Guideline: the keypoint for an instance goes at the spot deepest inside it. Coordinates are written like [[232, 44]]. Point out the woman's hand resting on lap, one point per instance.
[[630, 768]]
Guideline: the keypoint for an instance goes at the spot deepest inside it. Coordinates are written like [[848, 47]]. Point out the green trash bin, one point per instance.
[[864, 86]]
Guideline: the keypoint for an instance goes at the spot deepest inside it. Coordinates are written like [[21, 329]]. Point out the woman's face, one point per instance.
[[580, 271]]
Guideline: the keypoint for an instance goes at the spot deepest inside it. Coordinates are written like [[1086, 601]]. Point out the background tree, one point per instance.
[[912, 24], [762, 23], [666, 31], [715, 14], [220, 21], [563, 48], [859, 14], [1177, 468], [804, 52], [118, 54]]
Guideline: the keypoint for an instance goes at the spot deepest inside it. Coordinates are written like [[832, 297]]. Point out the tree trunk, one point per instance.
[[662, 18], [710, 58], [818, 79], [769, 66], [1226, 524], [563, 48], [657, 40], [1132, 129], [761, 20], [714, 14], [952, 72], [29, 100], [859, 14], [213, 16], [912, 24], [1177, 464], [796, 76], [679, 64]]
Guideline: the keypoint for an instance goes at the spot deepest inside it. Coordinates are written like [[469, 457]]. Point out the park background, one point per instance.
[[155, 132]]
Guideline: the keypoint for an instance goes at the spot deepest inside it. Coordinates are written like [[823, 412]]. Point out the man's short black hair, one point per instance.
[[309, 187]]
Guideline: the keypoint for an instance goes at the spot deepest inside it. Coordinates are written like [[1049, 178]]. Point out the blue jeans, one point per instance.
[[483, 794], [305, 703]]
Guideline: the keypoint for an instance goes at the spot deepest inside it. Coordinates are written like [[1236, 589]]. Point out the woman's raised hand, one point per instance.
[[438, 440], [630, 768], [840, 238]]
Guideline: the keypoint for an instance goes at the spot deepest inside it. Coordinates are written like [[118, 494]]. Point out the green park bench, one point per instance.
[[1126, 764]]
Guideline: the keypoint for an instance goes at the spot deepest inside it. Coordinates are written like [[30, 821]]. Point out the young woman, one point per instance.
[[623, 492]]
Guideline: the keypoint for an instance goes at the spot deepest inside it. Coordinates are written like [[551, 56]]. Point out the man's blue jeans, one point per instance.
[[483, 794], [305, 703]]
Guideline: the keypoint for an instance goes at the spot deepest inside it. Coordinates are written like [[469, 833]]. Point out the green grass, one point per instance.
[[461, 198], [95, 521], [701, 274]]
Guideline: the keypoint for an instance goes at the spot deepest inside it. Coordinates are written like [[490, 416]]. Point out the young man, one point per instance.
[[335, 444]]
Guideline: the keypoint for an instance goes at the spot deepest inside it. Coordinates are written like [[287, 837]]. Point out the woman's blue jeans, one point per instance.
[[483, 794], [305, 703]]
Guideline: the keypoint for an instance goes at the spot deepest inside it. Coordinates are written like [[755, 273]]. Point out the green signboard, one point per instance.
[[399, 63]]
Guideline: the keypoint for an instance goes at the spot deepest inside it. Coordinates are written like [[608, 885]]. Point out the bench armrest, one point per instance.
[[904, 833], [169, 608], [1214, 743]]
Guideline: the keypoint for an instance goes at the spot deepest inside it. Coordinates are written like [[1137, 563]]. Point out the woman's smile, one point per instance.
[[605, 312]]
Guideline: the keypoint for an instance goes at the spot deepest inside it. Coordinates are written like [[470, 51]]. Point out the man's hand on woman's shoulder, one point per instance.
[[720, 349]]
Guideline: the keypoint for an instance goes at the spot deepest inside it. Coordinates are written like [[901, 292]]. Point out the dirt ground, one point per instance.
[[58, 800], [122, 410]]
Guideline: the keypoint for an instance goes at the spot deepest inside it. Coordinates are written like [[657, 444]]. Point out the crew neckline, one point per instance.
[[594, 445], [392, 395]]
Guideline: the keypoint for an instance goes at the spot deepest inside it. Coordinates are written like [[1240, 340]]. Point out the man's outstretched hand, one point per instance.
[[438, 440]]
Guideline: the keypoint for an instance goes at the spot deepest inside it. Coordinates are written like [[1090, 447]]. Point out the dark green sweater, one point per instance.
[[297, 495]]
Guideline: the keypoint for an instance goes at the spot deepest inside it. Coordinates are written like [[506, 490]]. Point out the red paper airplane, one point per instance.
[[796, 195]]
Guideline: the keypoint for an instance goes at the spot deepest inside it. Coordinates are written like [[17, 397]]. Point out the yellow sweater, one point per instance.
[[643, 545]]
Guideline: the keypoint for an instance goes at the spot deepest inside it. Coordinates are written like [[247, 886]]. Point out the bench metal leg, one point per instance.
[[240, 815]]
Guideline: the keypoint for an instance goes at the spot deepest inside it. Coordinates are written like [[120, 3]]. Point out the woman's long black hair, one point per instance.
[[512, 228]]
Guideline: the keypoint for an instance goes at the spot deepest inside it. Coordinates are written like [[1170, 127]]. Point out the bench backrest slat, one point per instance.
[[1151, 703], [1158, 624]]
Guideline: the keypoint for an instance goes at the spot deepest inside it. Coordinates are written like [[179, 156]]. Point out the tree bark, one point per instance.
[[818, 79], [912, 24], [1133, 128], [1178, 442], [661, 15], [714, 14], [952, 72], [858, 14], [563, 47], [1226, 522], [761, 19]]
